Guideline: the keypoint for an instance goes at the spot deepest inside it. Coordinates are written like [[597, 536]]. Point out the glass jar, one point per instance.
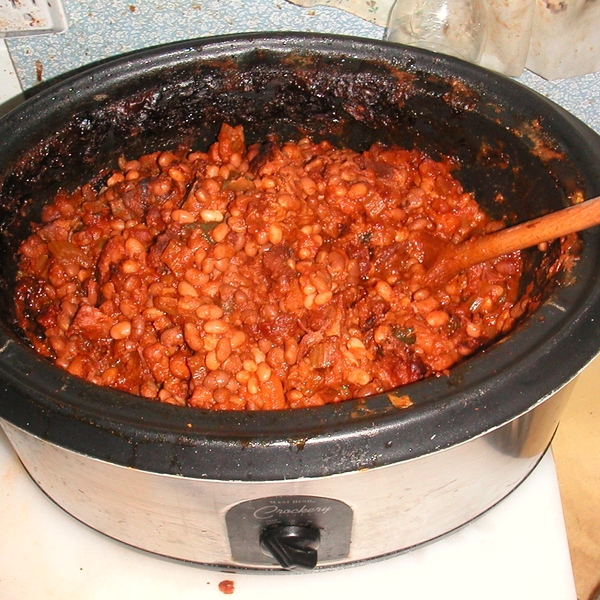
[[455, 27]]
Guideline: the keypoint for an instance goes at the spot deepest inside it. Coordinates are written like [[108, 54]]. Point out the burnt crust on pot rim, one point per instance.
[[276, 83]]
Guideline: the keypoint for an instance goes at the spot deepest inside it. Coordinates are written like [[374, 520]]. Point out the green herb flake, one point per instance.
[[365, 237], [406, 335]]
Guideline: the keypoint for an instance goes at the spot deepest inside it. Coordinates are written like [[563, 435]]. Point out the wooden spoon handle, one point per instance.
[[542, 229]]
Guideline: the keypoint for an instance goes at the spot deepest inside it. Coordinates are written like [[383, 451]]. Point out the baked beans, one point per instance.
[[280, 275]]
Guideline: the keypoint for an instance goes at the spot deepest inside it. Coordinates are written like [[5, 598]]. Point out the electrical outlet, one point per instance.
[[31, 17]]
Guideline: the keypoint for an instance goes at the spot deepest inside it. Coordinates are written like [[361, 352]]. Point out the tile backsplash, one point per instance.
[[104, 28]]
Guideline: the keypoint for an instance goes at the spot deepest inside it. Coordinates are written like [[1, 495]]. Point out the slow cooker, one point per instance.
[[339, 484]]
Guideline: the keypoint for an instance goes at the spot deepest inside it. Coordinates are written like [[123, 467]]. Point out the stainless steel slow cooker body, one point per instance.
[[317, 487]]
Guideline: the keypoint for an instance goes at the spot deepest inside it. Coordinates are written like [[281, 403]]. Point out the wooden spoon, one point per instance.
[[454, 259]]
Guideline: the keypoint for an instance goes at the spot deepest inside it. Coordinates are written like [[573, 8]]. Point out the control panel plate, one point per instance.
[[247, 521]]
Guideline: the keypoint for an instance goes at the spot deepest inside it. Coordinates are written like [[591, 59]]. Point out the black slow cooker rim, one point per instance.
[[131, 431]]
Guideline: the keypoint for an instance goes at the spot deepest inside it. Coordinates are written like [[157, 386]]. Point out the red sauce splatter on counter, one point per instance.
[[226, 586]]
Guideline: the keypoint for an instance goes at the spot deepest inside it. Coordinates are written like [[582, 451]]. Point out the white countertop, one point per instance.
[[10, 89], [517, 551]]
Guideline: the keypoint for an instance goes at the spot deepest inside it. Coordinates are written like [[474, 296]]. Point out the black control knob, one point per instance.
[[292, 546]]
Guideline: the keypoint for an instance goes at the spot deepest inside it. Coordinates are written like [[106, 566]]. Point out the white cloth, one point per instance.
[[556, 39]]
